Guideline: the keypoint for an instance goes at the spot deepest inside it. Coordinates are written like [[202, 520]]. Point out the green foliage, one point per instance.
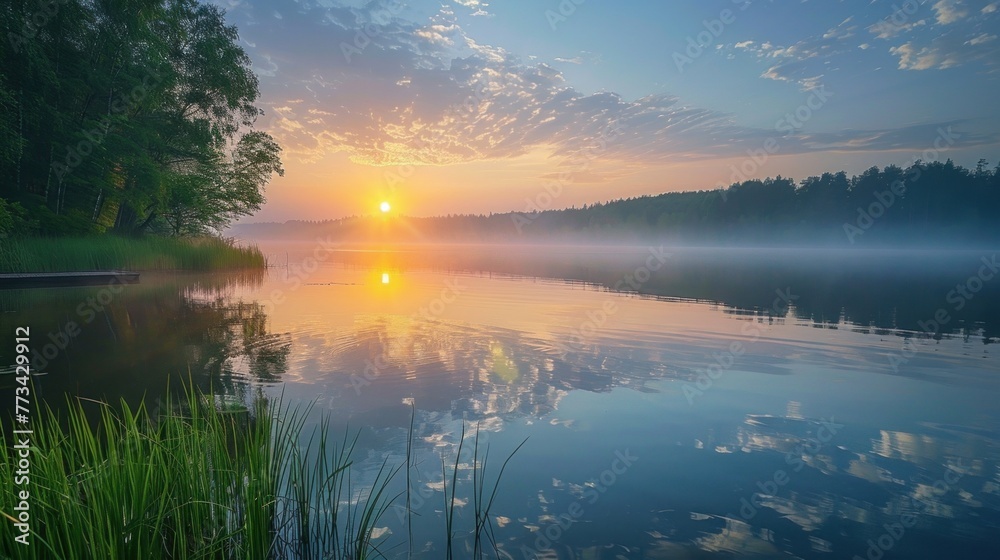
[[193, 479], [116, 253], [128, 115], [207, 477], [6, 219], [14, 221]]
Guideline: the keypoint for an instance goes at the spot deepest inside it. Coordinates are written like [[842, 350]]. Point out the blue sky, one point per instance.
[[473, 106]]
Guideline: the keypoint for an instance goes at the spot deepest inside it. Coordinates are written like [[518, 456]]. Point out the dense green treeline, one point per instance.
[[924, 202], [126, 116], [935, 202]]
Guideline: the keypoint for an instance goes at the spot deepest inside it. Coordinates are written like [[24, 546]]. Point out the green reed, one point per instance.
[[190, 480], [110, 252], [196, 479]]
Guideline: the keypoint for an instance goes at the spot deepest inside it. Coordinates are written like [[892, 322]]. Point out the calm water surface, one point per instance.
[[717, 403]]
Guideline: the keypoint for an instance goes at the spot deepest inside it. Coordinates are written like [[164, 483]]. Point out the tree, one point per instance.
[[224, 190], [128, 114]]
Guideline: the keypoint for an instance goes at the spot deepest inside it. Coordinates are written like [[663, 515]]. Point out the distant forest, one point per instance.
[[925, 203], [126, 116]]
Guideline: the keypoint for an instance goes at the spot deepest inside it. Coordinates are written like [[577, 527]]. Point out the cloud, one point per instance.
[[478, 6], [936, 36], [887, 29], [956, 36], [949, 11], [441, 35], [912, 57], [802, 62], [793, 72], [951, 49], [583, 58], [427, 93]]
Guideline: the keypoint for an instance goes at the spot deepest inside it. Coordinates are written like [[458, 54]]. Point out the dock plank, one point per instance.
[[20, 280]]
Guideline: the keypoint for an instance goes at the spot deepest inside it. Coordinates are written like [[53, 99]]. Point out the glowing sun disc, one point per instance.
[[384, 207]]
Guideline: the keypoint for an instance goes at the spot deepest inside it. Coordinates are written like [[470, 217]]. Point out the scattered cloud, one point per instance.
[[478, 7], [429, 94], [950, 11], [942, 35], [384, 90], [912, 57], [803, 62], [583, 58], [950, 50], [888, 29]]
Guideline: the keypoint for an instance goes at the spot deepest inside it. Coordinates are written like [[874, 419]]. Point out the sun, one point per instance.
[[384, 207]]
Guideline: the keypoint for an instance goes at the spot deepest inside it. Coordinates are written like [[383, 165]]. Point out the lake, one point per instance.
[[673, 402]]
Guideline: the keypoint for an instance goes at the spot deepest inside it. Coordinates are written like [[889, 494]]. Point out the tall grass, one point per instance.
[[482, 499], [111, 252], [199, 482], [196, 479]]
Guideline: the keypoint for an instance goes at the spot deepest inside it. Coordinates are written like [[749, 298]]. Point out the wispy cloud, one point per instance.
[[950, 11], [803, 62], [922, 36], [949, 50], [427, 93], [478, 6]]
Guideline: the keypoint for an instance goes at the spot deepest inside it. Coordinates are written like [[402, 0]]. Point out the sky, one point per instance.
[[478, 106]]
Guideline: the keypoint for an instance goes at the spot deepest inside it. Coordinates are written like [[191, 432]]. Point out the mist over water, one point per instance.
[[883, 288], [677, 401]]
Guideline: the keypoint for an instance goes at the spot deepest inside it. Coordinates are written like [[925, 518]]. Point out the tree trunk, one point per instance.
[[142, 227], [20, 135], [97, 205], [125, 221]]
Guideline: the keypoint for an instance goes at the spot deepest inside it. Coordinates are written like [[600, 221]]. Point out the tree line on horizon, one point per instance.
[[934, 202], [126, 116]]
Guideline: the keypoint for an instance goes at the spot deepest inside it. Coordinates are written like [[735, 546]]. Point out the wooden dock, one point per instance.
[[64, 279]]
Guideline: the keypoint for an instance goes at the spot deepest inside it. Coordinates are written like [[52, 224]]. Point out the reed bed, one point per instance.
[[200, 479], [110, 252]]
